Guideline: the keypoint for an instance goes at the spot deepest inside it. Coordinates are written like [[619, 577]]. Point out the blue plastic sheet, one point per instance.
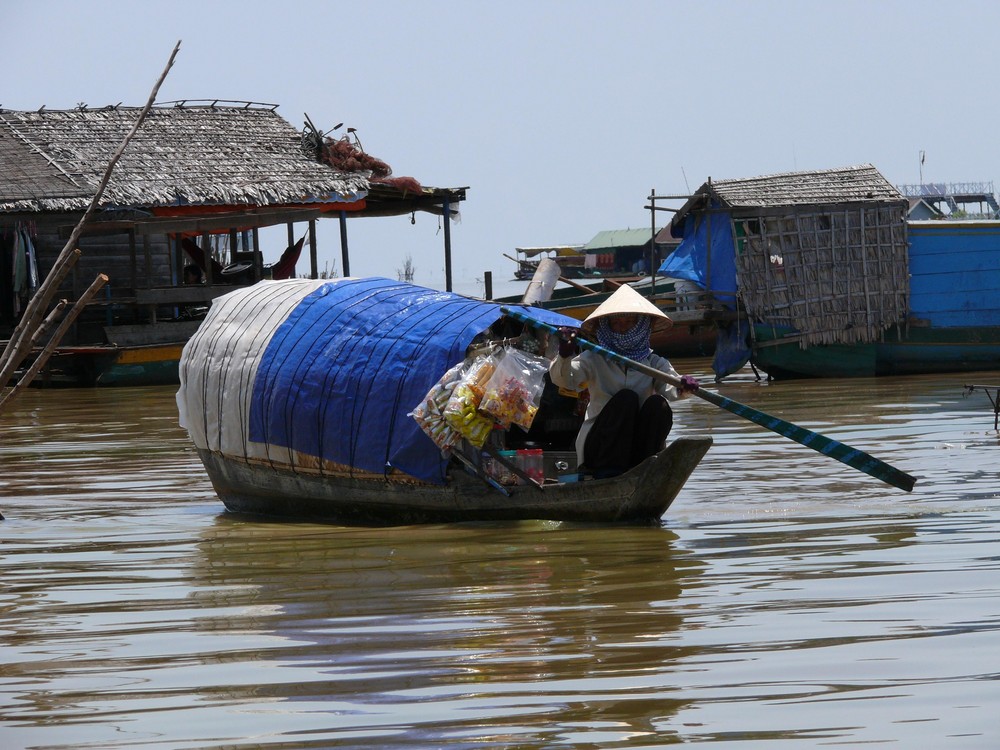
[[341, 373], [691, 258]]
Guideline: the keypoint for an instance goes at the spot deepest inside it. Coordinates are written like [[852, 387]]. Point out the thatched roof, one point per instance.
[[202, 154], [858, 184], [26, 173], [846, 185]]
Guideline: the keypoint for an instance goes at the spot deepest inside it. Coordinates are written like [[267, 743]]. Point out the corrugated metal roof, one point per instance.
[[200, 154], [616, 239]]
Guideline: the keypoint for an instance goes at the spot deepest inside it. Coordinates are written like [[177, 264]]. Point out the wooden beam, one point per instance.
[[258, 256], [181, 295], [206, 249], [447, 245], [199, 224], [313, 257]]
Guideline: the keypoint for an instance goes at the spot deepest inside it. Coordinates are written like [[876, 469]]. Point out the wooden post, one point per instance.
[[206, 251], [313, 256], [488, 283], [147, 252], [447, 245], [652, 240], [177, 258], [234, 243], [258, 262], [345, 259], [133, 263], [291, 241]]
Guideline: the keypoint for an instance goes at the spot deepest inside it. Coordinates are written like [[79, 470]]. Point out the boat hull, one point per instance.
[[641, 495], [916, 352], [118, 366]]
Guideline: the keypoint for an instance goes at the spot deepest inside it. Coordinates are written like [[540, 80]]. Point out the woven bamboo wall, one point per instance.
[[836, 277]]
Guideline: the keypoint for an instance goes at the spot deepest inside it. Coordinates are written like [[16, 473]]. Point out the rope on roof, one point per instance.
[[35, 149], [213, 103]]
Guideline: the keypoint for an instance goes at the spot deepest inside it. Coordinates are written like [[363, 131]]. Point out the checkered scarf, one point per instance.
[[634, 343]]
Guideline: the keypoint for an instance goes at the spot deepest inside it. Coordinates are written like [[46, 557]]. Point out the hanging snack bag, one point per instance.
[[462, 413], [429, 413], [514, 391]]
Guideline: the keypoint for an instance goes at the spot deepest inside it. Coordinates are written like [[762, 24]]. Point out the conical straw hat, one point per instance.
[[626, 300]]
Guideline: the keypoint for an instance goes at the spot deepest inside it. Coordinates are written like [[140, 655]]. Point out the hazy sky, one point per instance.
[[559, 117]]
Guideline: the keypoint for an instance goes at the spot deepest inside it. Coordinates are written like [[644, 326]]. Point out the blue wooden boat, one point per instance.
[[830, 278], [953, 324]]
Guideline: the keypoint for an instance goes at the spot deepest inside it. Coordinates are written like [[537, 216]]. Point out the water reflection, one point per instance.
[[532, 622], [785, 597]]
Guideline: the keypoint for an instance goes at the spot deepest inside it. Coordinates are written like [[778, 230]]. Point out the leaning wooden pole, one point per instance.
[[20, 343], [50, 347], [50, 319]]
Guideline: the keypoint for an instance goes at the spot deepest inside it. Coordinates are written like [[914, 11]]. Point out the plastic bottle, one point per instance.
[[532, 463]]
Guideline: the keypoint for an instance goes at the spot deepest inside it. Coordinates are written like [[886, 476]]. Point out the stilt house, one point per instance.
[[822, 254], [195, 184]]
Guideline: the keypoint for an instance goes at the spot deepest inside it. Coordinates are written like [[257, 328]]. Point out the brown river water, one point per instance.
[[785, 597]]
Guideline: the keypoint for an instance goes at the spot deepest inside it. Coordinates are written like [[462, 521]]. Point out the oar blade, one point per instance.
[[852, 457]]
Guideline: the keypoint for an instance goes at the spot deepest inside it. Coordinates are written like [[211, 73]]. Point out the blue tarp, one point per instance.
[[690, 260], [341, 373]]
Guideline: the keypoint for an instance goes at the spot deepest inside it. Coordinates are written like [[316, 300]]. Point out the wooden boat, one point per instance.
[[298, 396], [572, 263], [112, 365], [834, 280], [135, 356], [642, 495], [693, 334]]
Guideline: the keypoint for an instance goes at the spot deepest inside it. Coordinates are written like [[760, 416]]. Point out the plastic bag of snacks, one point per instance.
[[514, 391], [429, 413], [462, 412]]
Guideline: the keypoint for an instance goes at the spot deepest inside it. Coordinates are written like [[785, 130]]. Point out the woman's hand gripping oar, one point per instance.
[[827, 446]]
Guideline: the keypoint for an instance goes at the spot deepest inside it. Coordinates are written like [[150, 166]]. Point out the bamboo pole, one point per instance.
[[575, 285], [53, 316], [20, 342]]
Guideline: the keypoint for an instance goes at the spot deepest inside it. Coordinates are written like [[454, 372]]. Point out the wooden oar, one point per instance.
[[827, 446]]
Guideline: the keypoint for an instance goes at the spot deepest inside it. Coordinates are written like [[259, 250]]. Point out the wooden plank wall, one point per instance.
[[110, 255], [955, 269]]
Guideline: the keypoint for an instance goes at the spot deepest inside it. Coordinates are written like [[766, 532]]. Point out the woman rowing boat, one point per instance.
[[629, 415]]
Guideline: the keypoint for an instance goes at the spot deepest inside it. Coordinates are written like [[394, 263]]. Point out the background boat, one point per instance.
[[832, 279], [693, 334], [954, 314]]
